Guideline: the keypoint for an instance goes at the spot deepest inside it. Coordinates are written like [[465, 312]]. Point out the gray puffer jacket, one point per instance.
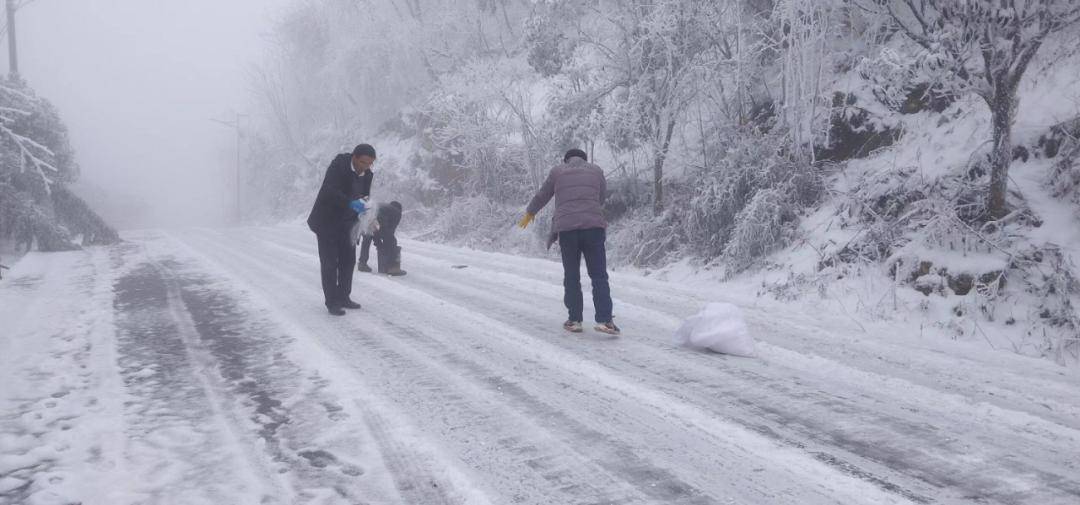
[[579, 189]]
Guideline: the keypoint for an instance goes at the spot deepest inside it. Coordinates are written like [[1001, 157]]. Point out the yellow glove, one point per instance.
[[524, 223]]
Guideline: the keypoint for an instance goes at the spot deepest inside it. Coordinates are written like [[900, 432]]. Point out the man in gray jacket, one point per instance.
[[579, 225]]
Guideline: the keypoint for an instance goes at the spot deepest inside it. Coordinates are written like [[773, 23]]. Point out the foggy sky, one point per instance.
[[137, 82]]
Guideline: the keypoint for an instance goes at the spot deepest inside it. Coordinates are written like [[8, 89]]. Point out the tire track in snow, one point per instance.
[[305, 433], [932, 462], [1041, 384], [925, 447], [889, 363], [511, 306], [417, 473], [469, 414], [302, 273], [180, 444], [304, 428], [230, 419]]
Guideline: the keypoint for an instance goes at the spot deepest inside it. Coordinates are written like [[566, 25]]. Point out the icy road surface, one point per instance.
[[199, 367]]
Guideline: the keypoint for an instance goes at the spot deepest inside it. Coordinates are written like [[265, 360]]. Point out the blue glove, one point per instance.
[[358, 206]]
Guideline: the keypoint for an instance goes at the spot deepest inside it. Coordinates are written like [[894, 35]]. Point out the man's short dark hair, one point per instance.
[[364, 150], [395, 204], [575, 153]]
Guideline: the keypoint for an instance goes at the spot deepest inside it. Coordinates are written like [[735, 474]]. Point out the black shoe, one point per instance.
[[336, 311], [362, 267], [349, 304], [395, 272]]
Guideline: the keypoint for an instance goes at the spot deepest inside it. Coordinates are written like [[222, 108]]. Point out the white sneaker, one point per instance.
[[572, 326]]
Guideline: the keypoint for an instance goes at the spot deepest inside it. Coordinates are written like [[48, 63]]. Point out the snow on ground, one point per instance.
[[61, 397], [199, 366]]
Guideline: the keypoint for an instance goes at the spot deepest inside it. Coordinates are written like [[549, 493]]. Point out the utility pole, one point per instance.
[[239, 209], [236, 125], [13, 53]]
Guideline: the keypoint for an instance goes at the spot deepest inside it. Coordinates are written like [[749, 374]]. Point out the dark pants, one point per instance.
[[337, 255], [386, 245], [574, 245], [365, 249]]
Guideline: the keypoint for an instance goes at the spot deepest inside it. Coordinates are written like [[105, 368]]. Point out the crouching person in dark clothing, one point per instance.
[[385, 241], [339, 202], [381, 233]]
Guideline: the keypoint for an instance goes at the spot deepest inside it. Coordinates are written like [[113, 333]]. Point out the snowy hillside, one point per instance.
[[901, 236]]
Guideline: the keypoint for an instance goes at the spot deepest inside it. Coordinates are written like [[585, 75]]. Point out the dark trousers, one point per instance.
[[385, 242], [389, 253], [589, 244], [337, 256], [365, 249]]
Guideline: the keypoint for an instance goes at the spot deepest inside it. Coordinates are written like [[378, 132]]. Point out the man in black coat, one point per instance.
[[341, 199]]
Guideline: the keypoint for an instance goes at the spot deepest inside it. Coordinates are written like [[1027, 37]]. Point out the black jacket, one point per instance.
[[340, 186], [389, 217]]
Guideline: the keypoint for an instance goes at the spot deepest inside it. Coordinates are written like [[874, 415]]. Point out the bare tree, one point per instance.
[[985, 46]]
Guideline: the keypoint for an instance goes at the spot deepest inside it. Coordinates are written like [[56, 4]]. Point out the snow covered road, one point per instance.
[[199, 367]]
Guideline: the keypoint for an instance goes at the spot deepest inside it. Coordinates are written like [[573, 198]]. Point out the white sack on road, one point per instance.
[[718, 327]]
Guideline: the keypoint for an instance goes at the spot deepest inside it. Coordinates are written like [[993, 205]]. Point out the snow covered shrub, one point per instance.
[[479, 222], [549, 49], [643, 240], [879, 207], [712, 211], [467, 217], [1053, 321], [1059, 139], [902, 216], [625, 195], [902, 83], [73, 211], [760, 229], [27, 223], [1065, 176], [854, 132], [751, 163]]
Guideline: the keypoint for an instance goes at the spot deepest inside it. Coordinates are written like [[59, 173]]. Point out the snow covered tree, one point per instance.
[[36, 164], [985, 47], [639, 70], [346, 70], [479, 122]]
